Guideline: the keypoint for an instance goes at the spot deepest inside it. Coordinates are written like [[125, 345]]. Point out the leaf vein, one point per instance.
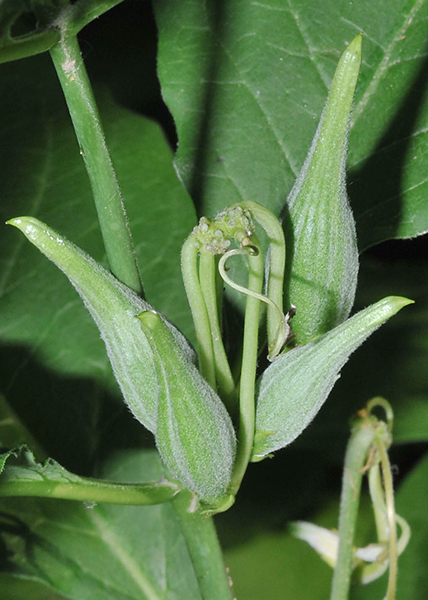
[[385, 62]]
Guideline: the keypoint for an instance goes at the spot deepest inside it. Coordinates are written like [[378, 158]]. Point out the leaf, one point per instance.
[[103, 552], [53, 185], [293, 389], [246, 83], [274, 566], [43, 175], [114, 308], [13, 588], [29, 40]]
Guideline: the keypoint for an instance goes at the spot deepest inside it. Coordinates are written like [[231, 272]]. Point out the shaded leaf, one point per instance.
[[43, 175], [275, 566], [46, 332], [103, 551], [246, 83]]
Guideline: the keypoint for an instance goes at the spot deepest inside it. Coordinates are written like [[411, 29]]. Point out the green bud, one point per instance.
[[113, 307], [293, 388], [194, 434], [324, 254]]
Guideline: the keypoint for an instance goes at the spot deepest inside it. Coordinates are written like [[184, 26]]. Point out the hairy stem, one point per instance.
[[93, 490], [356, 454], [275, 278], [390, 516], [83, 110], [208, 281], [189, 270], [204, 550], [248, 370]]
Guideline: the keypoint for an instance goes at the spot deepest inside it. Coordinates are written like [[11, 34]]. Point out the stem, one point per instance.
[[248, 371], [356, 453], [275, 280], [204, 550], [208, 281], [28, 45], [93, 490], [189, 270], [390, 515], [377, 496], [83, 110]]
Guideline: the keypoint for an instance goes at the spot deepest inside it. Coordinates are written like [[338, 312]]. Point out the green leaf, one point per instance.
[[246, 83], [44, 175], [293, 389], [29, 41], [3, 458], [324, 254], [275, 566], [14, 588], [100, 552], [194, 433]]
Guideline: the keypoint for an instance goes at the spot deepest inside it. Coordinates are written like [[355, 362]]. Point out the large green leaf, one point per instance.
[[99, 551], [42, 174], [275, 566], [246, 83]]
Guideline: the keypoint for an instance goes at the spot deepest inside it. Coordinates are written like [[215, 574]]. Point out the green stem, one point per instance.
[[390, 515], [189, 269], [275, 281], [83, 110], [93, 490], [28, 45], [208, 281], [204, 550], [355, 458], [248, 370]]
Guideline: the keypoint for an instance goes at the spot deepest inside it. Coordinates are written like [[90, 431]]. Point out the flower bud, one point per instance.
[[194, 434], [324, 254], [113, 307]]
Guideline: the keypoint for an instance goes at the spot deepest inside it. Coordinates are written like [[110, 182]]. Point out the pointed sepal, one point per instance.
[[194, 435], [292, 389], [324, 254]]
